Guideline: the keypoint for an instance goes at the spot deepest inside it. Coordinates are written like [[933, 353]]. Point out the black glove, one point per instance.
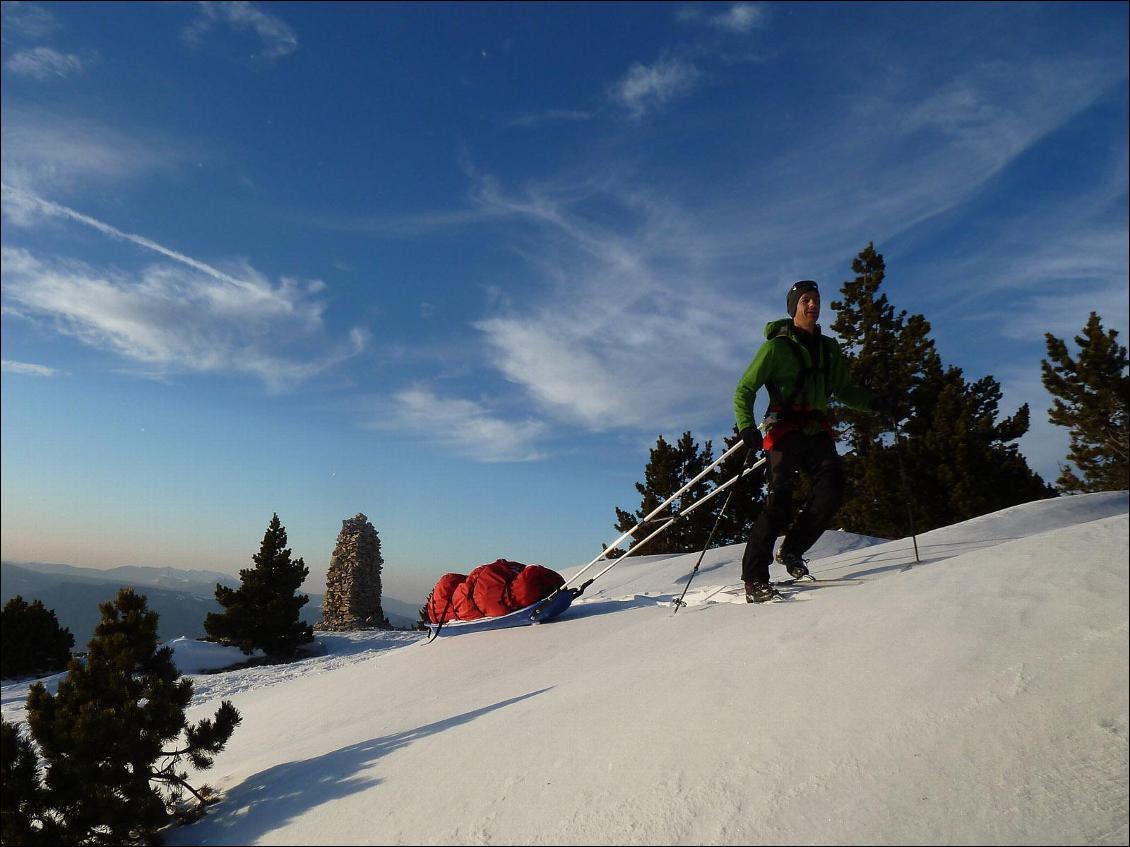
[[751, 438], [886, 405]]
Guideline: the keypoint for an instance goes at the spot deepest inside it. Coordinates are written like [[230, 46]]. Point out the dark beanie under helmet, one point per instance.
[[799, 288]]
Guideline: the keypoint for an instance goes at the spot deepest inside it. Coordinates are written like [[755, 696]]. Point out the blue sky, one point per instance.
[[456, 266]]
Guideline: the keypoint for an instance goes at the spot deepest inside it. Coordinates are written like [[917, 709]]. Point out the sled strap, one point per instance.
[[442, 619]]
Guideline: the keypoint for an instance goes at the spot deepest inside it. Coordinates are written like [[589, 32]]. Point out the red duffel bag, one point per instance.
[[490, 587], [491, 591], [441, 603], [534, 583]]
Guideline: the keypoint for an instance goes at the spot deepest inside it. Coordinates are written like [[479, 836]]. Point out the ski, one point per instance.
[[738, 595], [789, 589], [779, 597]]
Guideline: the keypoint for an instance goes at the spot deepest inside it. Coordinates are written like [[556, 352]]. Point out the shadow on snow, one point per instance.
[[267, 800]]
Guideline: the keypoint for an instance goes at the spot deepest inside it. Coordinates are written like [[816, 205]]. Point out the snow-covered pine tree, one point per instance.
[[109, 778], [1091, 392], [264, 612]]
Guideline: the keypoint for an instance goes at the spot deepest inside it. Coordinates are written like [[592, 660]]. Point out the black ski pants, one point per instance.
[[796, 453]]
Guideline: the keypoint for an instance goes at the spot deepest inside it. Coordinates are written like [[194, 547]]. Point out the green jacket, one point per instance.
[[777, 367]]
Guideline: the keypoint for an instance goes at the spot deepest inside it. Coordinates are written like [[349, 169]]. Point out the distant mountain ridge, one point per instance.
[[154, 577], [181, 598], [162, 577]]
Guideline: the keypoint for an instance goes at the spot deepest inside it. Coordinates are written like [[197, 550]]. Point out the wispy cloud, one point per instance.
[[464, 427], [915, 153], [29, 201], [25, 21], [1056, 284], [1052, 262], [649, 88], [625, 319], [405, 225], [276, 35], [173, 321], [552, 116], [27, 369], [44, 63], [664, 369], [200, 319], [45, 152], [739, 17], [634, 297]]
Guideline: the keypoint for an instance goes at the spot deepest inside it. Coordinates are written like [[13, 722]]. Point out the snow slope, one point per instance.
[[979, 697]]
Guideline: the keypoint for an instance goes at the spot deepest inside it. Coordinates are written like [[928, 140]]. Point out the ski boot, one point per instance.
[[794, 564], [760, 592]]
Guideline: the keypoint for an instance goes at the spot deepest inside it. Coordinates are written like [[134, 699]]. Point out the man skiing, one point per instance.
[[800, 368]]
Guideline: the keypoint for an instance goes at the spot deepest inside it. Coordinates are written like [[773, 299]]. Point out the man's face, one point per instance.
[[808, 307]]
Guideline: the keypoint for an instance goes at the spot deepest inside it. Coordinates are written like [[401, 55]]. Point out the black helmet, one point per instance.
[[799, 288]]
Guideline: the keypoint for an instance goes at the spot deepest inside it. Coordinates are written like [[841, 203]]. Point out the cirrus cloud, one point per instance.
[[649, 88], [27, 369], [51, 153], [277, 37], [739, 18], [45, 63], [178, 320], [464, 427]]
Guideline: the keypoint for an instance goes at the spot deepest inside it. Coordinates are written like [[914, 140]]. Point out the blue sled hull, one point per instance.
[[539, 612]]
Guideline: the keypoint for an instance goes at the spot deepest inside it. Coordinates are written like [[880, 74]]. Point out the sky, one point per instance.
[[457, 266], [969, 699]]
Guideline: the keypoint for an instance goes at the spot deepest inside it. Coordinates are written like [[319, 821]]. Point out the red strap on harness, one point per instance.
[[795, 418]]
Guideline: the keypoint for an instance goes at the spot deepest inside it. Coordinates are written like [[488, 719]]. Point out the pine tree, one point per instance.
[[669, 468], [1091, 394], [690, 532], [962, 462], [264, 612], [23, 812], [661, 480], [34, 643], [423, 620], [891, 354], [959, 458], [109, 778]]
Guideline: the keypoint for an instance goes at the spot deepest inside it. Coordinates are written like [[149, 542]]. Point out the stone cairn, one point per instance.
[[353, 583]]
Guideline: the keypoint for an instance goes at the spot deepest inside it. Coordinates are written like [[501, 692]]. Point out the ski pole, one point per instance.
[[710, 537], [656, 511], [636, 548], [906, 491]]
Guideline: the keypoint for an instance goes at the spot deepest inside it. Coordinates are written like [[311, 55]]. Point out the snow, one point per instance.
[[979, 697], [196, 657]]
